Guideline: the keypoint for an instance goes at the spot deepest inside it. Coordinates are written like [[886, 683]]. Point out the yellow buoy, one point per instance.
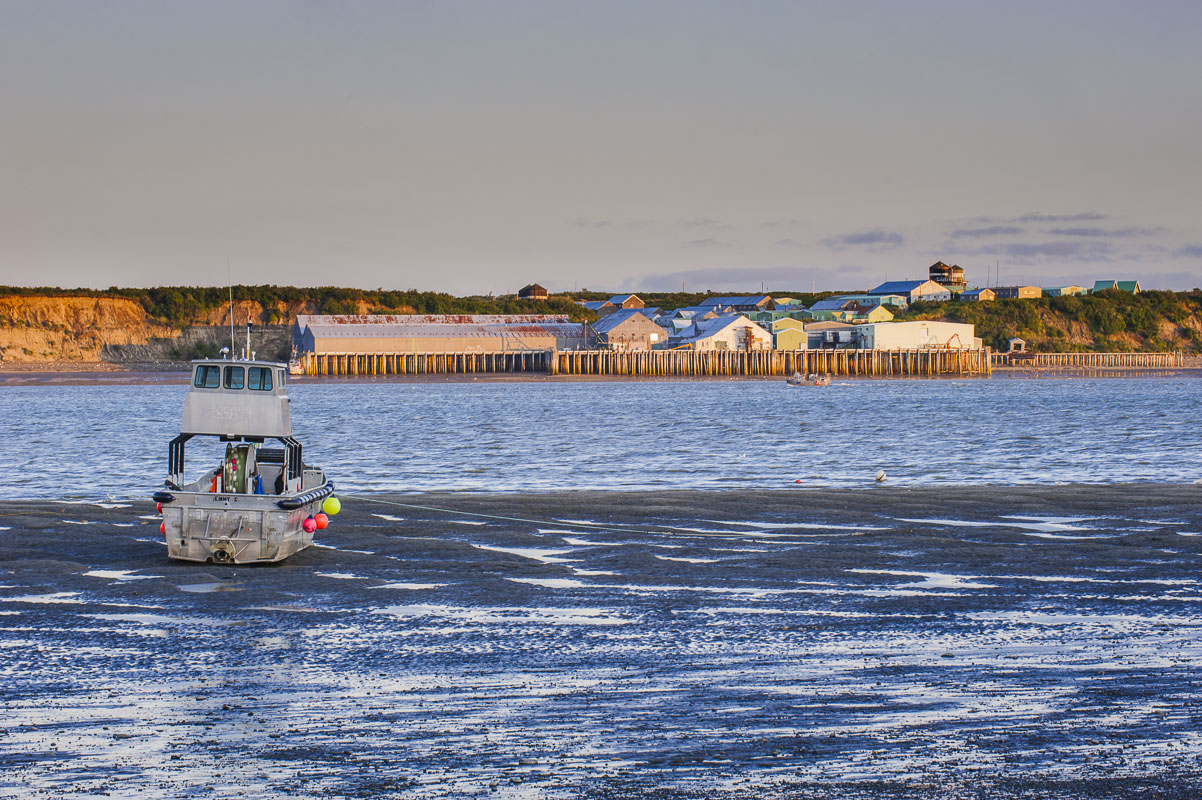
[[331, 506]]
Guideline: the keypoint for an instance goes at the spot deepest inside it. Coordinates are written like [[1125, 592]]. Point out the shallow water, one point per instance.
[[92, 441], [410, 657]]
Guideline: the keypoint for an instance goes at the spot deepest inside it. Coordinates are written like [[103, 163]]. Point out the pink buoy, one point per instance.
[[309, 525], [322, 520]]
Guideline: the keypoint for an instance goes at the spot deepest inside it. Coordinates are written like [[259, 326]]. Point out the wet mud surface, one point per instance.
[[966, 642]]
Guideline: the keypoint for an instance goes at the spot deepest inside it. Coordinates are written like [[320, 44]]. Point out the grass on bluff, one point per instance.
[[1110, 321]]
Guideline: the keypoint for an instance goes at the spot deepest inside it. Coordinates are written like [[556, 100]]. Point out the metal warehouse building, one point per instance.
[[330, 334]]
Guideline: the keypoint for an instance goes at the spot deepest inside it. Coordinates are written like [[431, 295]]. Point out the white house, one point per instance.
[[914, 291], [919, 334], [726, 332]]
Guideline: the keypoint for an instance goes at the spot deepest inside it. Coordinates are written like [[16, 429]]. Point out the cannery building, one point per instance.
[[435, 333]]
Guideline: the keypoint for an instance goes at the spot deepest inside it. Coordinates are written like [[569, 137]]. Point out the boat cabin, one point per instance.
[[243, 403]]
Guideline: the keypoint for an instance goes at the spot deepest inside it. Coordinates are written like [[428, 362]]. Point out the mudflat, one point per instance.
[[888, 642]]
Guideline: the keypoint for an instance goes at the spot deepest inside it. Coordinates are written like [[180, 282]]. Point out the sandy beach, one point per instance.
[[935, 642]]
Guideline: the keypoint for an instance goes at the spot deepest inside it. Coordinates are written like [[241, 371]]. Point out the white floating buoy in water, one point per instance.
[[880, 476]]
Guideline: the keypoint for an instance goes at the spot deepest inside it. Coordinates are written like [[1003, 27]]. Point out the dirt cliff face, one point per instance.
[[71, 328], [114, 329]]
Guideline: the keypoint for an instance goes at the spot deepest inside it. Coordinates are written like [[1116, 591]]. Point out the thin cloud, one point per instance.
[[1088, 216], [710, 243], [706, 222], [599, 224], [1103, 233], [788, 243], [1041, 252], [1036, 217], [877, 239], [1189, 251], [980, 233]]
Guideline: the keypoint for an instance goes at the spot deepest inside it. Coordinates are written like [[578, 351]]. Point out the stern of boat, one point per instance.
[[238, 528]]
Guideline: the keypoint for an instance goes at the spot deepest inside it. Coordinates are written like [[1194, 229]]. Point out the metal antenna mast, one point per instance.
[[230, 280]]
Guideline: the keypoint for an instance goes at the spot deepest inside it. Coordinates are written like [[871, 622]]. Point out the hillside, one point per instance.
[[1110, 321], [178, 323]]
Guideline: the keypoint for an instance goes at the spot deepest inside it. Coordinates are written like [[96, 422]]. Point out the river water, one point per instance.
[[93, 441]]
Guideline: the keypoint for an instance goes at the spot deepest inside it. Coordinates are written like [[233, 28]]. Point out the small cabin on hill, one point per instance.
[[532, 292], [626, 301], [1018, 292], [949, 275], [977, 296]]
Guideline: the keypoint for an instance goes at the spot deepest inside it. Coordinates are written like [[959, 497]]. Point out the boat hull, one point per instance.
[[236, 528]]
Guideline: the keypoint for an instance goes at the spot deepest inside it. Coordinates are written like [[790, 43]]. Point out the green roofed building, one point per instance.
[[1122, 286]]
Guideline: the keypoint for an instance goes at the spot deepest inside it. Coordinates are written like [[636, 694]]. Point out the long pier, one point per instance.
[[662, 363], [1092, 360], [426, 363]]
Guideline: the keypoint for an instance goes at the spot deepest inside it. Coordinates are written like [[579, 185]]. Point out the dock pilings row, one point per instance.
[[927, 362], [1091, 360]]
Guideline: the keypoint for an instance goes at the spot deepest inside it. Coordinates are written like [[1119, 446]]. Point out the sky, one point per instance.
[[621, 146]]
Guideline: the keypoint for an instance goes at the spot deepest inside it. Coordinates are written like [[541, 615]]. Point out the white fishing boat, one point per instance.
[[797, 379], [260, 504]]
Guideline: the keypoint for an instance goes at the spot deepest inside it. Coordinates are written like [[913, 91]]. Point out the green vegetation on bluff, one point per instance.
[[187, 305], [1110, 321]]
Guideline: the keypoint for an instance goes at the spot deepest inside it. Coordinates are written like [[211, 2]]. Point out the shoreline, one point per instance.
[[891, 488], [100, 373]]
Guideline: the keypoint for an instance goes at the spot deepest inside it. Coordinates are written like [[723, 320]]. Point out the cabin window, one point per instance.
[[235, 377], [281, 377], [259, 379], [207, 377]]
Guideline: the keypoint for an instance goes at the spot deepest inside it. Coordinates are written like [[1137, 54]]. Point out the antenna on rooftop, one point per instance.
[[230, 280]]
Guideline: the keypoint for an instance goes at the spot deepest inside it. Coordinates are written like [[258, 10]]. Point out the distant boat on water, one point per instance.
[[797, 379]]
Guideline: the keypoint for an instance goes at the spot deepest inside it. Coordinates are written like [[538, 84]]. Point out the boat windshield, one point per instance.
[[234, 377], [260, 379], [207, 377]]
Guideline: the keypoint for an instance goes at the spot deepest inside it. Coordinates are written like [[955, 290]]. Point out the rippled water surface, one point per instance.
[[90, 441]]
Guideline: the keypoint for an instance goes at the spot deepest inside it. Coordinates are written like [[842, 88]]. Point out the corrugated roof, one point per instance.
[[619, 299], [616, 318], [898, 287], [832, 304], [561, 330], [426, 319], [747, 300]]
